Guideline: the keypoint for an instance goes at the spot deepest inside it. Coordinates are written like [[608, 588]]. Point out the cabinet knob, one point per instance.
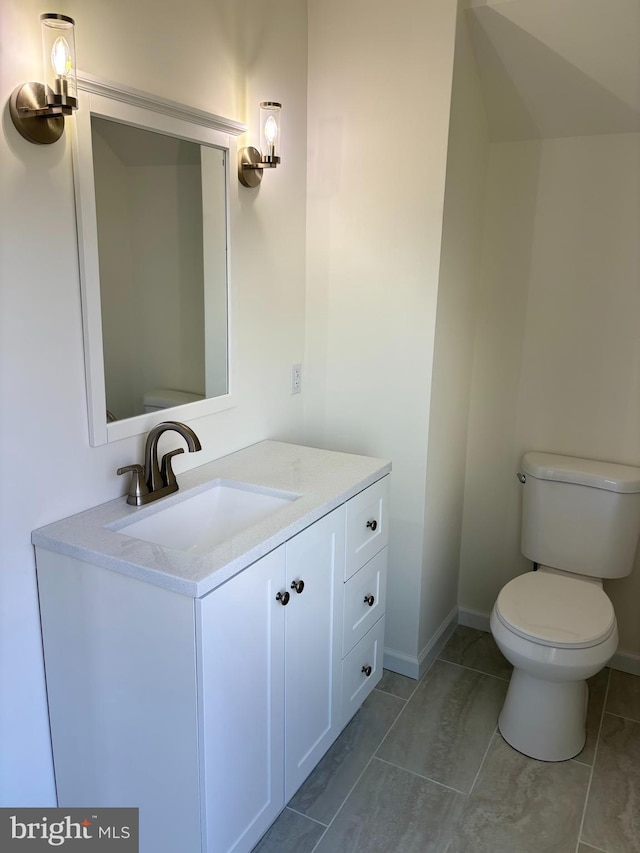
[[283, 598], [370, 600], [373, 524], [367, 670], [298, 586]]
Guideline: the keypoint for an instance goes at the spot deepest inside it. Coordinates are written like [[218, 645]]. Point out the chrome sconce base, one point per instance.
[[251, 164], [33, 118]]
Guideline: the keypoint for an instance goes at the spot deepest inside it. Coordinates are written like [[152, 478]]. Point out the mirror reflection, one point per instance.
[[161, 223]]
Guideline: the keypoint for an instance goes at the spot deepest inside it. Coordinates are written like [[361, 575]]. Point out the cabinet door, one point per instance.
[[241, 680], [313, 628]]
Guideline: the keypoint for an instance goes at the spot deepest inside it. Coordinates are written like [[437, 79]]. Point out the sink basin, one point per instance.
[[198, 523]]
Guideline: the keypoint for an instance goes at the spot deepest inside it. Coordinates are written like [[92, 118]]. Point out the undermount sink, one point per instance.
[[198, 523]]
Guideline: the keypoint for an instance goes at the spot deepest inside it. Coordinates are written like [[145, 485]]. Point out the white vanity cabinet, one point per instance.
[[208, 711]]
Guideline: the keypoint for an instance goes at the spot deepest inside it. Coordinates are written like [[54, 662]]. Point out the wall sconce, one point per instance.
[[38, 109], [251, 162]]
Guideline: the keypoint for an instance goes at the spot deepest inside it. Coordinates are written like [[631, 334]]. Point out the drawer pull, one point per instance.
[[283, 598], [373, 524], [367, 670], [298, 586], [370, 600]]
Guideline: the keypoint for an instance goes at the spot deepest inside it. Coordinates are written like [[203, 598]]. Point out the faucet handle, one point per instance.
[[137, 488], [166, 471]]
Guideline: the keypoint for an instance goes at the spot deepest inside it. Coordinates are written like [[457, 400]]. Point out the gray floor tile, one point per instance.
[[325, 790], [597, 693], [477, 650], [398, 685], [624, 695], [444, 731], [393, 811], [612, 818], [519, 804], [291, 833]]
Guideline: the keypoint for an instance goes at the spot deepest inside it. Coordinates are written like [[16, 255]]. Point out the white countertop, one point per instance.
[[324, 479]]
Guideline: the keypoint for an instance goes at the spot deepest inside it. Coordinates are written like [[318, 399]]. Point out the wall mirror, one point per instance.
[[151, 179]]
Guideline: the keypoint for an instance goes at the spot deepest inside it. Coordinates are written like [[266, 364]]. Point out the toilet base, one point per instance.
[[544, 719]]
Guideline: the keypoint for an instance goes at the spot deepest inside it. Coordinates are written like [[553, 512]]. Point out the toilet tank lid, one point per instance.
[[583, 472]]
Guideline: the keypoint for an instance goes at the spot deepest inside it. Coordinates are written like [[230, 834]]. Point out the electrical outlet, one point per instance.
[[296, 378]]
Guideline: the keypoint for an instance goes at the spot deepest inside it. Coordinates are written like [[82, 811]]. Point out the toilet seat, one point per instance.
[[555, 610]]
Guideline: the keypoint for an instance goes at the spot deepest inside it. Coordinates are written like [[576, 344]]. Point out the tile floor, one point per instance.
[[421, 768]]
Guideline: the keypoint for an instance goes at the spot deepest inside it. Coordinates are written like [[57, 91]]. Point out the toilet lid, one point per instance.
[[555, 610]]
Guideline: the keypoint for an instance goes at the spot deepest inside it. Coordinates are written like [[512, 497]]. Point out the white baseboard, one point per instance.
[[625, 662], [473, 619], [622, 660], [415, 667], [402, 664], [437, 643]]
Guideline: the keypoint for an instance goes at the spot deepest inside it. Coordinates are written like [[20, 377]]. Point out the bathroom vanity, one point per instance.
[[203, 682]]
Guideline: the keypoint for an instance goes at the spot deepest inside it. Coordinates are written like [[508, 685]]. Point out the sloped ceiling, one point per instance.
[[554, 68]]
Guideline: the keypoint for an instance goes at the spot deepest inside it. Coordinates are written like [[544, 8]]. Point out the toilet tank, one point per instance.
[[580, 515], [167, 398]]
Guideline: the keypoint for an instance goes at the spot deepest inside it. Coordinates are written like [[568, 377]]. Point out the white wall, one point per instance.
[[225, 58], [379, 94], [454, 336], [557, 351]]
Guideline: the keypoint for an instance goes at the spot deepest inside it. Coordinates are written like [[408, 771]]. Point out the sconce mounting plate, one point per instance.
[[248, 174], [28, 110]]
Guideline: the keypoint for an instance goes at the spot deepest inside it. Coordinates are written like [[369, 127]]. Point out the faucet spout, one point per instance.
[[152, 472]]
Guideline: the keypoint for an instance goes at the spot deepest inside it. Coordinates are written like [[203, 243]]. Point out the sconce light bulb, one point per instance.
[[271, 130], [61, 57]]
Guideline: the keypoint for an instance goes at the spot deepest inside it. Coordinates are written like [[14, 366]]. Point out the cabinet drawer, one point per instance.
[[367, 525], [364, 600], [356, 684]]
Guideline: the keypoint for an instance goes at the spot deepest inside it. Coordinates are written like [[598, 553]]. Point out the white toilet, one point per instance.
[[556, 625], [167, 398]]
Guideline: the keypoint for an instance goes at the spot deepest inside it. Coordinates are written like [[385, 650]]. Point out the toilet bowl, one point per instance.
[[556, 625], [557, 631]]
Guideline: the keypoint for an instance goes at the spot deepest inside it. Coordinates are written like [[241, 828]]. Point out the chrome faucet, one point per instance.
[[152, 480]]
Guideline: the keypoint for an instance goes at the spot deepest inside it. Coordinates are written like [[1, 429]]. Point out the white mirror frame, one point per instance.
[[139, 109]]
